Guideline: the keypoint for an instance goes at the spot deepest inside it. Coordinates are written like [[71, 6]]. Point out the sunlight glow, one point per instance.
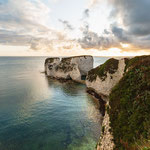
[[125, 45]]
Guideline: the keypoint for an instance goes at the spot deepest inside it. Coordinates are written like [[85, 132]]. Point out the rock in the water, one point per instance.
[[50, 64], [74, 68]]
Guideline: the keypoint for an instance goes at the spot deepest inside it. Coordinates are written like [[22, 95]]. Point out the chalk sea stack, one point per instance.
[[75, 68]]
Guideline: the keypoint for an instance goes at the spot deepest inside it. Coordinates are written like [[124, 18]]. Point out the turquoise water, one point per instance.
[[37, 113]]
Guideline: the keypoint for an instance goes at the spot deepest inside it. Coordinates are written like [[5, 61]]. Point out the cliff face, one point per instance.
[[69, 68], [50, 64], [103, 78]]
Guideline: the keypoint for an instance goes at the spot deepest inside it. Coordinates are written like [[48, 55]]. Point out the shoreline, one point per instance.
[[112, 84], [98, 97]]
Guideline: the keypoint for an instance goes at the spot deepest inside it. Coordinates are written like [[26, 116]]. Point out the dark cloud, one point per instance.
[[66, 24], [86, 13], [135, 17], [120, 34], [106, 31], [92, 40]]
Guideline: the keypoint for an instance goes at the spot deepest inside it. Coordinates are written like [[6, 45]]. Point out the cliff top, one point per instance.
[[79, 56], [51, 59], [110, 66], [65, 59]]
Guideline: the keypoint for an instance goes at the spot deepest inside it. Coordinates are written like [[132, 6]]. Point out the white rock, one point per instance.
[[106, 139], [71, 67], [105, 86], [50, 63], [85, 63]]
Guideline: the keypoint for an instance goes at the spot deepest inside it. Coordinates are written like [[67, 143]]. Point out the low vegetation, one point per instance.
[[65, 66], [50, 60], [110, 66], [130, 106]]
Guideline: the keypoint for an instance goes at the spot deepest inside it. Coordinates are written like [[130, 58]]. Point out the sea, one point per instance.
[[38, 113]]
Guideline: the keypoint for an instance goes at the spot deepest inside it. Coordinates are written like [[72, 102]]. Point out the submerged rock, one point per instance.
[[74, 68]]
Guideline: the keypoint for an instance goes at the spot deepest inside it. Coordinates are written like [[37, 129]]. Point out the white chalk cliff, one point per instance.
[[103, 78], [69, 68]]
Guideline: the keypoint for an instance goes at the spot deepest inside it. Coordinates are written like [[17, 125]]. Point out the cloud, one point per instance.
[[132, 25], [92, 40], [93, 3], [120, 34], [66, 24], [13, 38], [135, 21], [86, 13], [25, 24], [23, 15]]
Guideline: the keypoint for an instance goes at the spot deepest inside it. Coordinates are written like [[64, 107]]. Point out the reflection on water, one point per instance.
[[37, 113]]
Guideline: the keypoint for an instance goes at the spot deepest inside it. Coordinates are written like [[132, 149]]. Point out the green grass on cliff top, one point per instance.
[[110, 66], [130, 105]]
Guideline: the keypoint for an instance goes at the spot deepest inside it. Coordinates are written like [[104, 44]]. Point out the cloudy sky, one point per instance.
[[74, 27]]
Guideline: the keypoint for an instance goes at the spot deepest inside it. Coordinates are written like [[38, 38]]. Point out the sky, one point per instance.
[[74, 27]]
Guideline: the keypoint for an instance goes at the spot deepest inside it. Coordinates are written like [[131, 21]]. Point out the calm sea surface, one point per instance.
[[37, 113]]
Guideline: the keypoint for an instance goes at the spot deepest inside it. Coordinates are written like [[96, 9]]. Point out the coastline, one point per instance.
[[101, 83]]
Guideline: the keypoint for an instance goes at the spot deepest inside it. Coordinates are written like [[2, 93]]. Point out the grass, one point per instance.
[[110, 66], [130, 105], [143, 145]]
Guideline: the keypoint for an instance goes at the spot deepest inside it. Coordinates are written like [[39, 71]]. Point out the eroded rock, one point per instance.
[[103, 78], [69, 68]]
